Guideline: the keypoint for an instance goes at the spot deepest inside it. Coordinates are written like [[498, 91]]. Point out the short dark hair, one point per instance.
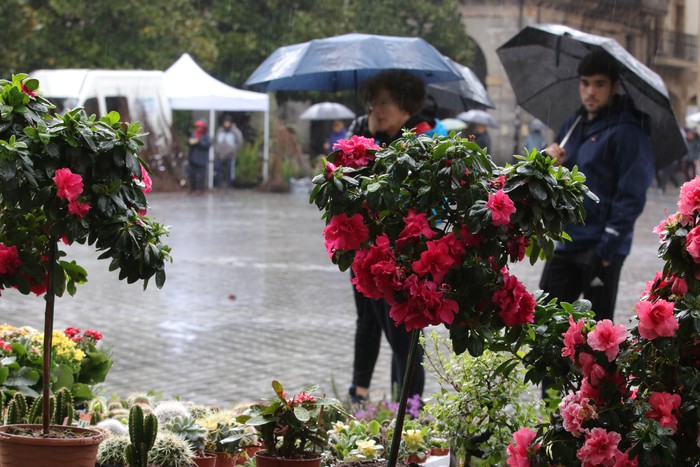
[[407, 90], [598, 61]]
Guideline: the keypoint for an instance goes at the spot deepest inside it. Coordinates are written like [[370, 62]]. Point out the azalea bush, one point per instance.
[[67, 179], [430, 225], [79, 361], [632, 397]]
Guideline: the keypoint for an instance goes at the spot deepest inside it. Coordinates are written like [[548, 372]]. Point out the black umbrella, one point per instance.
[[457, 96], [541, 62]]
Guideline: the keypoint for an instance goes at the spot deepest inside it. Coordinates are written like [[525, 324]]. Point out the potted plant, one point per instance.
[[195, 435], [630, 396], [356, 441], [430, 225], [292, 429], [111, 452], [69, 178], [171, 450]]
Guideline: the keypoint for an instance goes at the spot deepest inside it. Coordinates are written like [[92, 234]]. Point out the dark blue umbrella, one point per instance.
[[343, 62]]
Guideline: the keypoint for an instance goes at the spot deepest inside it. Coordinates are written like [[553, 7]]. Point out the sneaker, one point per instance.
[[355, 398]]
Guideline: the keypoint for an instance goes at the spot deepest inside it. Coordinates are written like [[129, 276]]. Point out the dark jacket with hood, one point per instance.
[[614, 153]]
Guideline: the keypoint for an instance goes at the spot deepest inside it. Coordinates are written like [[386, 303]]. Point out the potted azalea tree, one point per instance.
[[630, 396], [66, 179], [431, 224], [291, 428]]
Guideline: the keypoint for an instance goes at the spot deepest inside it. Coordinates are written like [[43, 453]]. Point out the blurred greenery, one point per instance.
[[228, 38]]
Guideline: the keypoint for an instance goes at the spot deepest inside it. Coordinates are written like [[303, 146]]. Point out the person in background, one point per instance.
[[610, 144], [481, 135], [336, 135], [198, 156], [228, 139], [534, 139], [688, 162], [394, 100]]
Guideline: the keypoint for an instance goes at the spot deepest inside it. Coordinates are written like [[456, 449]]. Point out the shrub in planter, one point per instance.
[[248, 167]]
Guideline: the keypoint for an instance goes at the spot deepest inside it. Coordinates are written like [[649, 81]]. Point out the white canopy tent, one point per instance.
[[189, 87]]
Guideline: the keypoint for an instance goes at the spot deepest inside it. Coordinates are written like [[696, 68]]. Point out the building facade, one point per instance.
[[660, 33]]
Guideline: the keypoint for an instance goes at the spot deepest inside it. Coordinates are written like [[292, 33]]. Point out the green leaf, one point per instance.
[[301, 414]]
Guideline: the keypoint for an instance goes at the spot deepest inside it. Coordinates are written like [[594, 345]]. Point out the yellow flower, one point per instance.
[[340, 426], [63, 347], [413, 439], [368, 448]]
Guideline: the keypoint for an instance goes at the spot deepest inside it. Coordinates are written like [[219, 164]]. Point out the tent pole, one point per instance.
[[212, 131], [266, 146]]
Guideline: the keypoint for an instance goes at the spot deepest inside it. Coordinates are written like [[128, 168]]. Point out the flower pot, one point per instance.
[[35, 451], [207, 460], [224, 459], [263, 460], [413, 458], [439, 451]]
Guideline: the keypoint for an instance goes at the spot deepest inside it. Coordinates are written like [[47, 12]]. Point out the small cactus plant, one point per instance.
[[64, 409], [112, 450], [170, 450], [142, 435], [168, 410], [17, 410], [113, 426]]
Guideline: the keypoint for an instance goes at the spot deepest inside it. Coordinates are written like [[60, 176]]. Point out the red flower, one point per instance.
[[69, 185], [692, 243], [416, 225], [78, 209], [573, 337], [146, 179], [424, 305], [599, 449], [498, 182], [516, 248], [656, 319], [303, 397], [501, 207], [354, 151], [93, 334], [344, 233], [517, 305], [517, 450], [468, 238], [28, 91], [330, 170], [436, 260], [376, 272], [689, 200], [71, 332], [664, 408], [607, 337], [9, 260]]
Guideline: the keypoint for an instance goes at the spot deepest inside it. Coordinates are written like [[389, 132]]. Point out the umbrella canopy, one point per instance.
[[541, 62], [478, 117], [327, 111], [456, 96], [343, 62]]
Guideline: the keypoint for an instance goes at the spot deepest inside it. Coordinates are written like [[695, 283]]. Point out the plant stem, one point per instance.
[[398, 429], [48, 335]]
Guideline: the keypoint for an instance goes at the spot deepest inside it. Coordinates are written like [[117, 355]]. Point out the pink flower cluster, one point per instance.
[[354, 151], [9, 260], [301, 398], [70, 186], [90, 334]]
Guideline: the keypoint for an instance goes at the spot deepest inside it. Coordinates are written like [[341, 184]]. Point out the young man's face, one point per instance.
[[596, 92]]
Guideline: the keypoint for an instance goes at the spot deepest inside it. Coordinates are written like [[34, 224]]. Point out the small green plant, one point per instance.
[[112, 450], [356, 440], [142, 435], [248, 172], [482, 401], [170, 450], [17, 409], [190, 431], [64, 410]]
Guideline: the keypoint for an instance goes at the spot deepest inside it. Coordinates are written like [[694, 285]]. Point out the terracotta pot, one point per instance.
[[415, 459], [263, 460], [439, 451], [23, 451], [208, 460], [224, 459]]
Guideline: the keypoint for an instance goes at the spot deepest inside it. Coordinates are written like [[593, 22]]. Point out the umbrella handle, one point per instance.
[[568, 133]]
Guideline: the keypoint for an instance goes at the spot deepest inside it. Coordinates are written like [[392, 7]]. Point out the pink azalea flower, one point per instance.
[[147, 182], [416, 225], [689, 201], [692, 243], [622, 459], [468, 238], [354, 151], [78, 209], [424, 305], [516, 248], [517, 305], [436, 260], [501, 207], [330, 170], [345, 233], [599, 449], [376, 272], [575, 410], [69, 185], [28, 91], [607, 337], [656, 319], [573, 337], [664, 408], [517, 450], [9, 260], [679, 286]]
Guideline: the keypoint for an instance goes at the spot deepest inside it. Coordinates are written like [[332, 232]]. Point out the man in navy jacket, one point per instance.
[[609, 142]]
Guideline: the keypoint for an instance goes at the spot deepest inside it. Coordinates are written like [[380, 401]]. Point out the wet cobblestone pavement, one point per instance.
[[251, 296]]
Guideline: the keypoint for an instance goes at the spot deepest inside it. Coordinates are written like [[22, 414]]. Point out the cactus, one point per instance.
[[36, 410], [64, 410], [170, 450], [142, 435], [17, 410], [112, 449], [168, 410]]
